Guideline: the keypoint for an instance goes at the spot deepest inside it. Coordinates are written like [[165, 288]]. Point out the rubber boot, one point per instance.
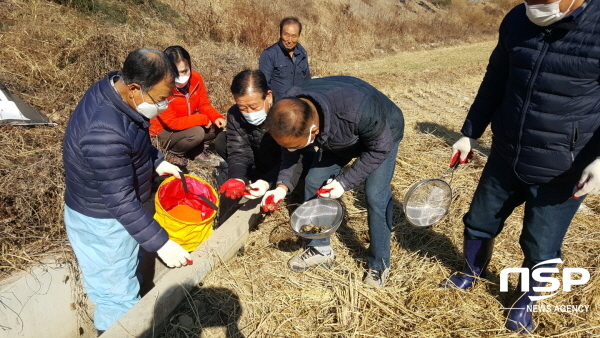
[[519, 319], [477, 253]]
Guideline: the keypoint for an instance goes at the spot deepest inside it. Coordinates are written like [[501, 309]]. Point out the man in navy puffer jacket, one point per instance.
[[109, 162], [541, 94]]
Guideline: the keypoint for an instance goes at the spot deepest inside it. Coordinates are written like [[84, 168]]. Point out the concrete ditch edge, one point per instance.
[[148, 314]]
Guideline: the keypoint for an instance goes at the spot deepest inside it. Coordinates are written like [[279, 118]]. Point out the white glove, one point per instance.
[[174, 255], [258, 189], [462, 149], [589, 183], [270, 203], [167, 168], [333, 189]]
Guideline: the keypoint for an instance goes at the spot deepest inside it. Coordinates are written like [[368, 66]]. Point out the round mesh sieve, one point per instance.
[[427, 202]]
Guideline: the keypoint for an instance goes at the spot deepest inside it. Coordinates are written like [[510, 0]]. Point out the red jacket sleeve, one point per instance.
[[174, 119], [202, 101]]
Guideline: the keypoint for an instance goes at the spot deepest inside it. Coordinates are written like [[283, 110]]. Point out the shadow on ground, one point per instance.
[[210, 307], [448, 135]]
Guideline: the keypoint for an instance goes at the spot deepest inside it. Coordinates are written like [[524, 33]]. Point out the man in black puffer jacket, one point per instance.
[[347, 118], [541, 94], [109, 163]]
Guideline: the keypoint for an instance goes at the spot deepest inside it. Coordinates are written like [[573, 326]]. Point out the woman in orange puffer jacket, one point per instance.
[[190, 119]]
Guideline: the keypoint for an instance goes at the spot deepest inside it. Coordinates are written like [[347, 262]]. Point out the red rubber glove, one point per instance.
[[234, 188], [272, 198], [462, 150], [456, 158]]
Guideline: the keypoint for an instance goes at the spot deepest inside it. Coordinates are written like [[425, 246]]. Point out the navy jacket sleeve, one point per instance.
[[308, 76], [491, 91], [291, 166], [377, 138], [157, 157], [265, 64], [108, 153]]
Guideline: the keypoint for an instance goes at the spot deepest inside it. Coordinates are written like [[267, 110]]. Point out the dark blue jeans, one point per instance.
[[379, 201], [549, 210]]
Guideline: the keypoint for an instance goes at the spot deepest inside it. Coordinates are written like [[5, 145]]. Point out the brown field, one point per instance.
[[255, 295], [426, 57], [52, 51]]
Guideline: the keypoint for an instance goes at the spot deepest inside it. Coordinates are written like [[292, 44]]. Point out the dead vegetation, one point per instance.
[[52, 52], [255, 295]]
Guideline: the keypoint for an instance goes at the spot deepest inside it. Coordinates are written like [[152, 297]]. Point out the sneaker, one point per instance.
[[208, 159], [376, 278], [310, 258]]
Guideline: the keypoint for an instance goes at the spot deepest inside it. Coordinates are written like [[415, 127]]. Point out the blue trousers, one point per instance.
[[549, 210], [108, 257], [378, 193]]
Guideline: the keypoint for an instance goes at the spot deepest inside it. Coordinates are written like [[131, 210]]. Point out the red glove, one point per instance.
[[234, 188], [272, 198], [456, 158], [322, 191], [270, 204]]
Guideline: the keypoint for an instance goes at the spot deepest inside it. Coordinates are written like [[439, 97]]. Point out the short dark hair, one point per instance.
[[147, 67], [178, 53], [288, 20], [248, 80], [288, 117]]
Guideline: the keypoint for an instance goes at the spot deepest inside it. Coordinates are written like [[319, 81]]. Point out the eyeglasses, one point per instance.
[[161, 104]]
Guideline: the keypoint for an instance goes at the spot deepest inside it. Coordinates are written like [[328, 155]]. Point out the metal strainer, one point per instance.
[[321, 212], [428, 201]]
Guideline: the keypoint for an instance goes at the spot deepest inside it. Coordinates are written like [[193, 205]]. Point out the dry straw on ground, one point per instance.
[[52, 53], [255, 295]]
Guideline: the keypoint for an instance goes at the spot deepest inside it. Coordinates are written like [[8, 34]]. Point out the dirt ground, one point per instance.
[[256, 295]]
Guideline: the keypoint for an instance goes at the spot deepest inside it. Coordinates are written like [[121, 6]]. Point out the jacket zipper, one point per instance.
[[536, 69], [573, 142]]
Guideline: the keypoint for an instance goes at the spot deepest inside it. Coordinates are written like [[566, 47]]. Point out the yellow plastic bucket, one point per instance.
[[186, 225]]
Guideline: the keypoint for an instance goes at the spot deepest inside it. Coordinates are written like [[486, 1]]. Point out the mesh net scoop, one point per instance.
[[427, 202]]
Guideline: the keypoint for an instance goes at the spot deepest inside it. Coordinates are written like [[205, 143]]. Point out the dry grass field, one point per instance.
[[256, 295], [427, 57], [53, 50]]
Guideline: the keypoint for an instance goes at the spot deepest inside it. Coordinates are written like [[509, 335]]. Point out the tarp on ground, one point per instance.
[[17, 112]]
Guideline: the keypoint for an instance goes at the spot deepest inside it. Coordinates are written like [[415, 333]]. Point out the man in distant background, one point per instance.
[[285, 64]]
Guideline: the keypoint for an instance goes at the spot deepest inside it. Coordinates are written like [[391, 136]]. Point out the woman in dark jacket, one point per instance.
[[252, 155]]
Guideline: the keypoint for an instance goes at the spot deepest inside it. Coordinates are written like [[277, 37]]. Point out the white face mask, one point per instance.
[[182, 80], [150, 110], [309, 140], [256, 118], [545, 14]]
